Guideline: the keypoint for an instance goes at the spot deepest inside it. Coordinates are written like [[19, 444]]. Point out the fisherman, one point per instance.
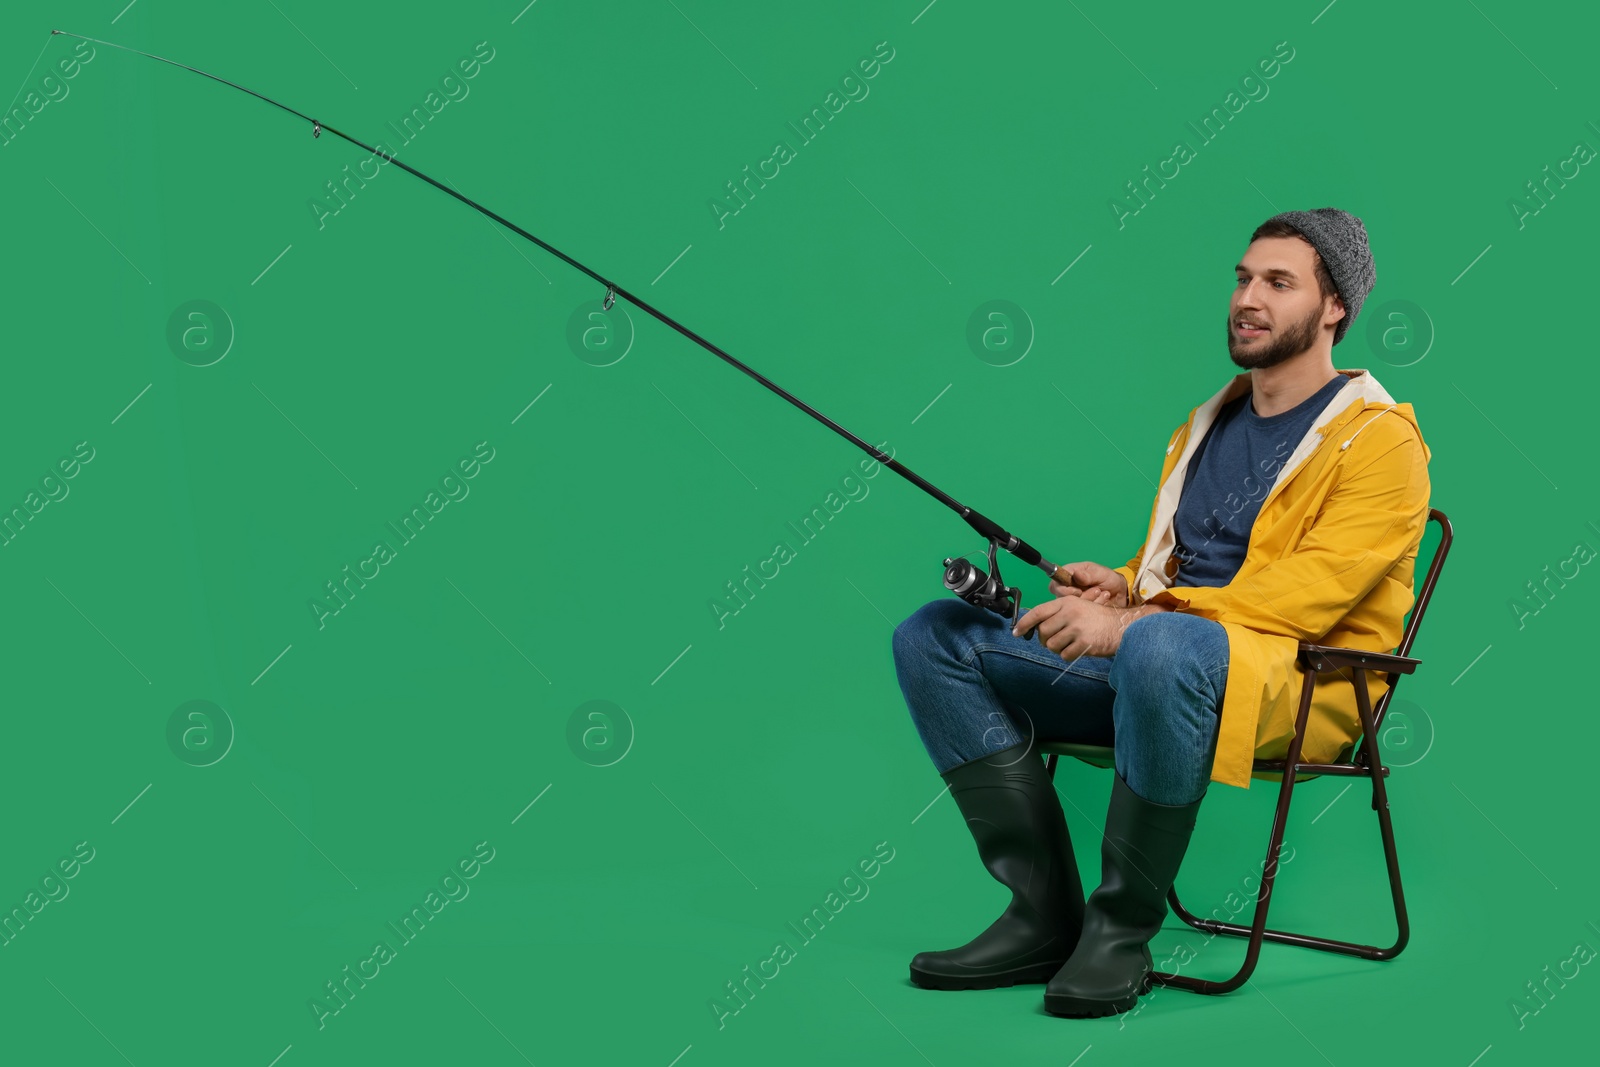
[[1290, 508]]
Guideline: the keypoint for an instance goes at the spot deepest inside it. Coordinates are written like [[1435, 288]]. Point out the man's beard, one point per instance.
[[1281, 345]]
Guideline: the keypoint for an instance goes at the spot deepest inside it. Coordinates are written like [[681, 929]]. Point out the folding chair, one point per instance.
[[1364, 757]]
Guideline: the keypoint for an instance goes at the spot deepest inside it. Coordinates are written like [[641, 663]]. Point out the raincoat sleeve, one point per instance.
[[1368, 522]]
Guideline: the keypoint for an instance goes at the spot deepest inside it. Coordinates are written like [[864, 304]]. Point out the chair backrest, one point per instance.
[[1413, 621]]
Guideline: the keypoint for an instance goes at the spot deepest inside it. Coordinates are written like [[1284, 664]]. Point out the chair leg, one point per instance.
[[1257, 931], [1380, 803], [1269, 871]]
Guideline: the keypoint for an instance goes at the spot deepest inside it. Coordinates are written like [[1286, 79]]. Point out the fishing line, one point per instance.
[[966, 580]]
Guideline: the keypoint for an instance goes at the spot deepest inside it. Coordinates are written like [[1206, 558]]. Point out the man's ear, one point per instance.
[[1336, 304]]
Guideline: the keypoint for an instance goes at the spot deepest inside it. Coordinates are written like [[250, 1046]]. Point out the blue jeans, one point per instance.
[[973, 689]]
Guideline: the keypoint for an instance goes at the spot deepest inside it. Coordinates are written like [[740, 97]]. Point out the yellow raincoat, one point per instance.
[[1330, 561]]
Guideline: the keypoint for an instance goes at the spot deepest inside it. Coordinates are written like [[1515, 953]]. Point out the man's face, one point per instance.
[[1276, 290]]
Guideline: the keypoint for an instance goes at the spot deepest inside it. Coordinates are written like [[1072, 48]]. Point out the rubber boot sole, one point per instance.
[[1033, 974], [1084, 1008]]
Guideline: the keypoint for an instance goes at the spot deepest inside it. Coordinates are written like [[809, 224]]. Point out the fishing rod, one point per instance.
[[962, 577]]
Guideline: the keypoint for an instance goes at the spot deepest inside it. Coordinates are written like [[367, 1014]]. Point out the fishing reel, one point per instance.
[[968, 581]]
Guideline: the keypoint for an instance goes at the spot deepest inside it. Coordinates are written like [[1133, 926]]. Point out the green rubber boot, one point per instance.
[[1140, 853], [1015, 817]]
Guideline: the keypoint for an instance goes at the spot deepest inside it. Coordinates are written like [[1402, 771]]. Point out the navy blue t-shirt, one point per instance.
[[1228, 477]]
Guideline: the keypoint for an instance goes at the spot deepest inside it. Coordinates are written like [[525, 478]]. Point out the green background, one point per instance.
[[750, 767]]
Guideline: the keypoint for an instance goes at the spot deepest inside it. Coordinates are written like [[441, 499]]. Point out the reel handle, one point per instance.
[[989, 591]]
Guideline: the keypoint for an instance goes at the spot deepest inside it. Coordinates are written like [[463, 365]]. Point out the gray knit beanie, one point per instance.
[[1341, 240]]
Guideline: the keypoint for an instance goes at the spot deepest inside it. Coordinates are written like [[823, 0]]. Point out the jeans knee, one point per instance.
[[926, 628], [911, 633], [1168, 645]]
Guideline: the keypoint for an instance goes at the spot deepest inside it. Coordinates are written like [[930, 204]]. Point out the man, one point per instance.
[[1290, 508]]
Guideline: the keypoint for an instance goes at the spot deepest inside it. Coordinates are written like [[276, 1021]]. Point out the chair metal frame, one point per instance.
[[1312, 660]]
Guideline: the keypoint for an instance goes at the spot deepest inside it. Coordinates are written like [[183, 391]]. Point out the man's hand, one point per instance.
[[1094, 583], [1073, 627]]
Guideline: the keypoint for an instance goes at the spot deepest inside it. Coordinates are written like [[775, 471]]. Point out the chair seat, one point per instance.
[[1102, 756], [1099, 755]]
